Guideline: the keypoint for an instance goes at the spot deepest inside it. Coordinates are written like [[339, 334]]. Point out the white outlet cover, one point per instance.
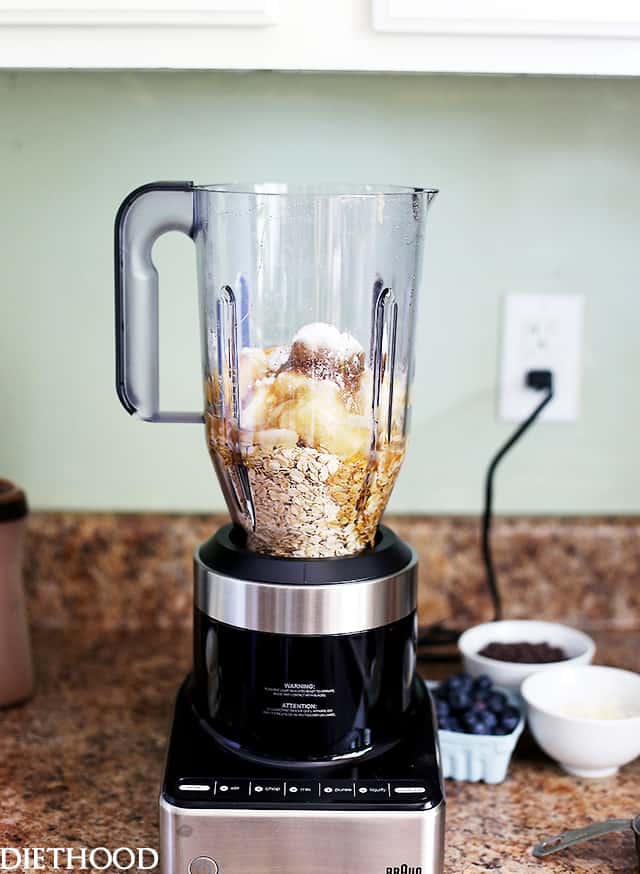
[[541, 332]]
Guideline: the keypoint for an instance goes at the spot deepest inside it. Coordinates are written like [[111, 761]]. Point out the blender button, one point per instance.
[[301, 790], [203, 865], [194, 787], [372, 790], [339, 791], [232, 790], [410, 790], [268, 789]]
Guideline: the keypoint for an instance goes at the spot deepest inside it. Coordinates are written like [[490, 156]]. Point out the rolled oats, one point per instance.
[[309, 503]]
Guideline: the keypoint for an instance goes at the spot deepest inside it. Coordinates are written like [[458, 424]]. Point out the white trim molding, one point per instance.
[[510, 18], [137, 13]]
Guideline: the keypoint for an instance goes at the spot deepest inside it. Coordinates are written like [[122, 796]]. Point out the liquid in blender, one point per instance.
[[317, 445]]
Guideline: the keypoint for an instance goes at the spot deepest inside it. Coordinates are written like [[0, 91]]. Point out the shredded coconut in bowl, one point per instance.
[[610, 709]]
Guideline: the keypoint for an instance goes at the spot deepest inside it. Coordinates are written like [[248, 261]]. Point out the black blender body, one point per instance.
[[302, 699]]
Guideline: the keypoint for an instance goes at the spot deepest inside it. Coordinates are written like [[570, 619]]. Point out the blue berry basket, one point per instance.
[[474, 757]]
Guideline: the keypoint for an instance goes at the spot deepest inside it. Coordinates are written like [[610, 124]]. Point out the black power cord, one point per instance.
[[437, 635], [540, 380]]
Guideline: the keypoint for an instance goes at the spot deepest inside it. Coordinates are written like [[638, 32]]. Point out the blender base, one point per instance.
[[222, 814]]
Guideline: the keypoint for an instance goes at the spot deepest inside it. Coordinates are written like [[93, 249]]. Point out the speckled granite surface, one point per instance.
[[126, 571], [80, 764], [110, 601]]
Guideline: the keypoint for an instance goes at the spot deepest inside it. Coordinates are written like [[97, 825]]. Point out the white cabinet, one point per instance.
[[572, 37], [510, 18], [137, 13], [581, 37]]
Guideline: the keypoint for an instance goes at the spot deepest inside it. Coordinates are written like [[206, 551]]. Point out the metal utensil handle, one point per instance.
[[146, 214], [567, 839]]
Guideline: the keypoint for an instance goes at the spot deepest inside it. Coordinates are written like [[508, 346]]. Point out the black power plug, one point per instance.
[[539, 379]]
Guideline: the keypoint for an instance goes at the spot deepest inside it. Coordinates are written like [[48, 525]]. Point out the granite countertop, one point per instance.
[[110, 603], [80, 763]]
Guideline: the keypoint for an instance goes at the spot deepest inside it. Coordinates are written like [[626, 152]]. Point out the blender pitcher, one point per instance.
[[307, 319]]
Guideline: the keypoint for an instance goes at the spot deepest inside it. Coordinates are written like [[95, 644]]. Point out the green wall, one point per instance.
[[540, 183]]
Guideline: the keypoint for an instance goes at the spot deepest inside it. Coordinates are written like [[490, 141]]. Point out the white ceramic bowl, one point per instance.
[[579, 647], [586, 717]]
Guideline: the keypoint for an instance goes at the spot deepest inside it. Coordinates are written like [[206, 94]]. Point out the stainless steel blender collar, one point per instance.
[[329, 596], [347, 608]]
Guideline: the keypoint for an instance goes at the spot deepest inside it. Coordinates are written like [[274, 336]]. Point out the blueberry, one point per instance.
[[482, 683], [449, 723], [489, 719], [480, 715], [500, 729], [477, 728], [459, 681], [479, 704], [442, 707], [497, 702], [469, 719], [459, 700], [510, 720]]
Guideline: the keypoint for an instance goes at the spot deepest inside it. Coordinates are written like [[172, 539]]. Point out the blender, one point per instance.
[[303, 739]]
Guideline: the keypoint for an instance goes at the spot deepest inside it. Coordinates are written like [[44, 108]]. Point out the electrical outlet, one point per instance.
[[541, 332]]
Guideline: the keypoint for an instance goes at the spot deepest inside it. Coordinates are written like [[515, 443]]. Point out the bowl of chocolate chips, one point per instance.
[[511, 650]]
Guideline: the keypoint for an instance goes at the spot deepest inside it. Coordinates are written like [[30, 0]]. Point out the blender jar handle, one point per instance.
[[146, 214]]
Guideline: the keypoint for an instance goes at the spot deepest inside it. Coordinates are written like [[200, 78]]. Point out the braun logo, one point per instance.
[[404, 869]]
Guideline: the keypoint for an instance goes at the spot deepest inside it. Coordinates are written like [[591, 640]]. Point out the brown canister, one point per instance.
[[16, 669]]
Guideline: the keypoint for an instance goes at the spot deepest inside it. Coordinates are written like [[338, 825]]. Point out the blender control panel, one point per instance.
[[259, 792], [201, 774]]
